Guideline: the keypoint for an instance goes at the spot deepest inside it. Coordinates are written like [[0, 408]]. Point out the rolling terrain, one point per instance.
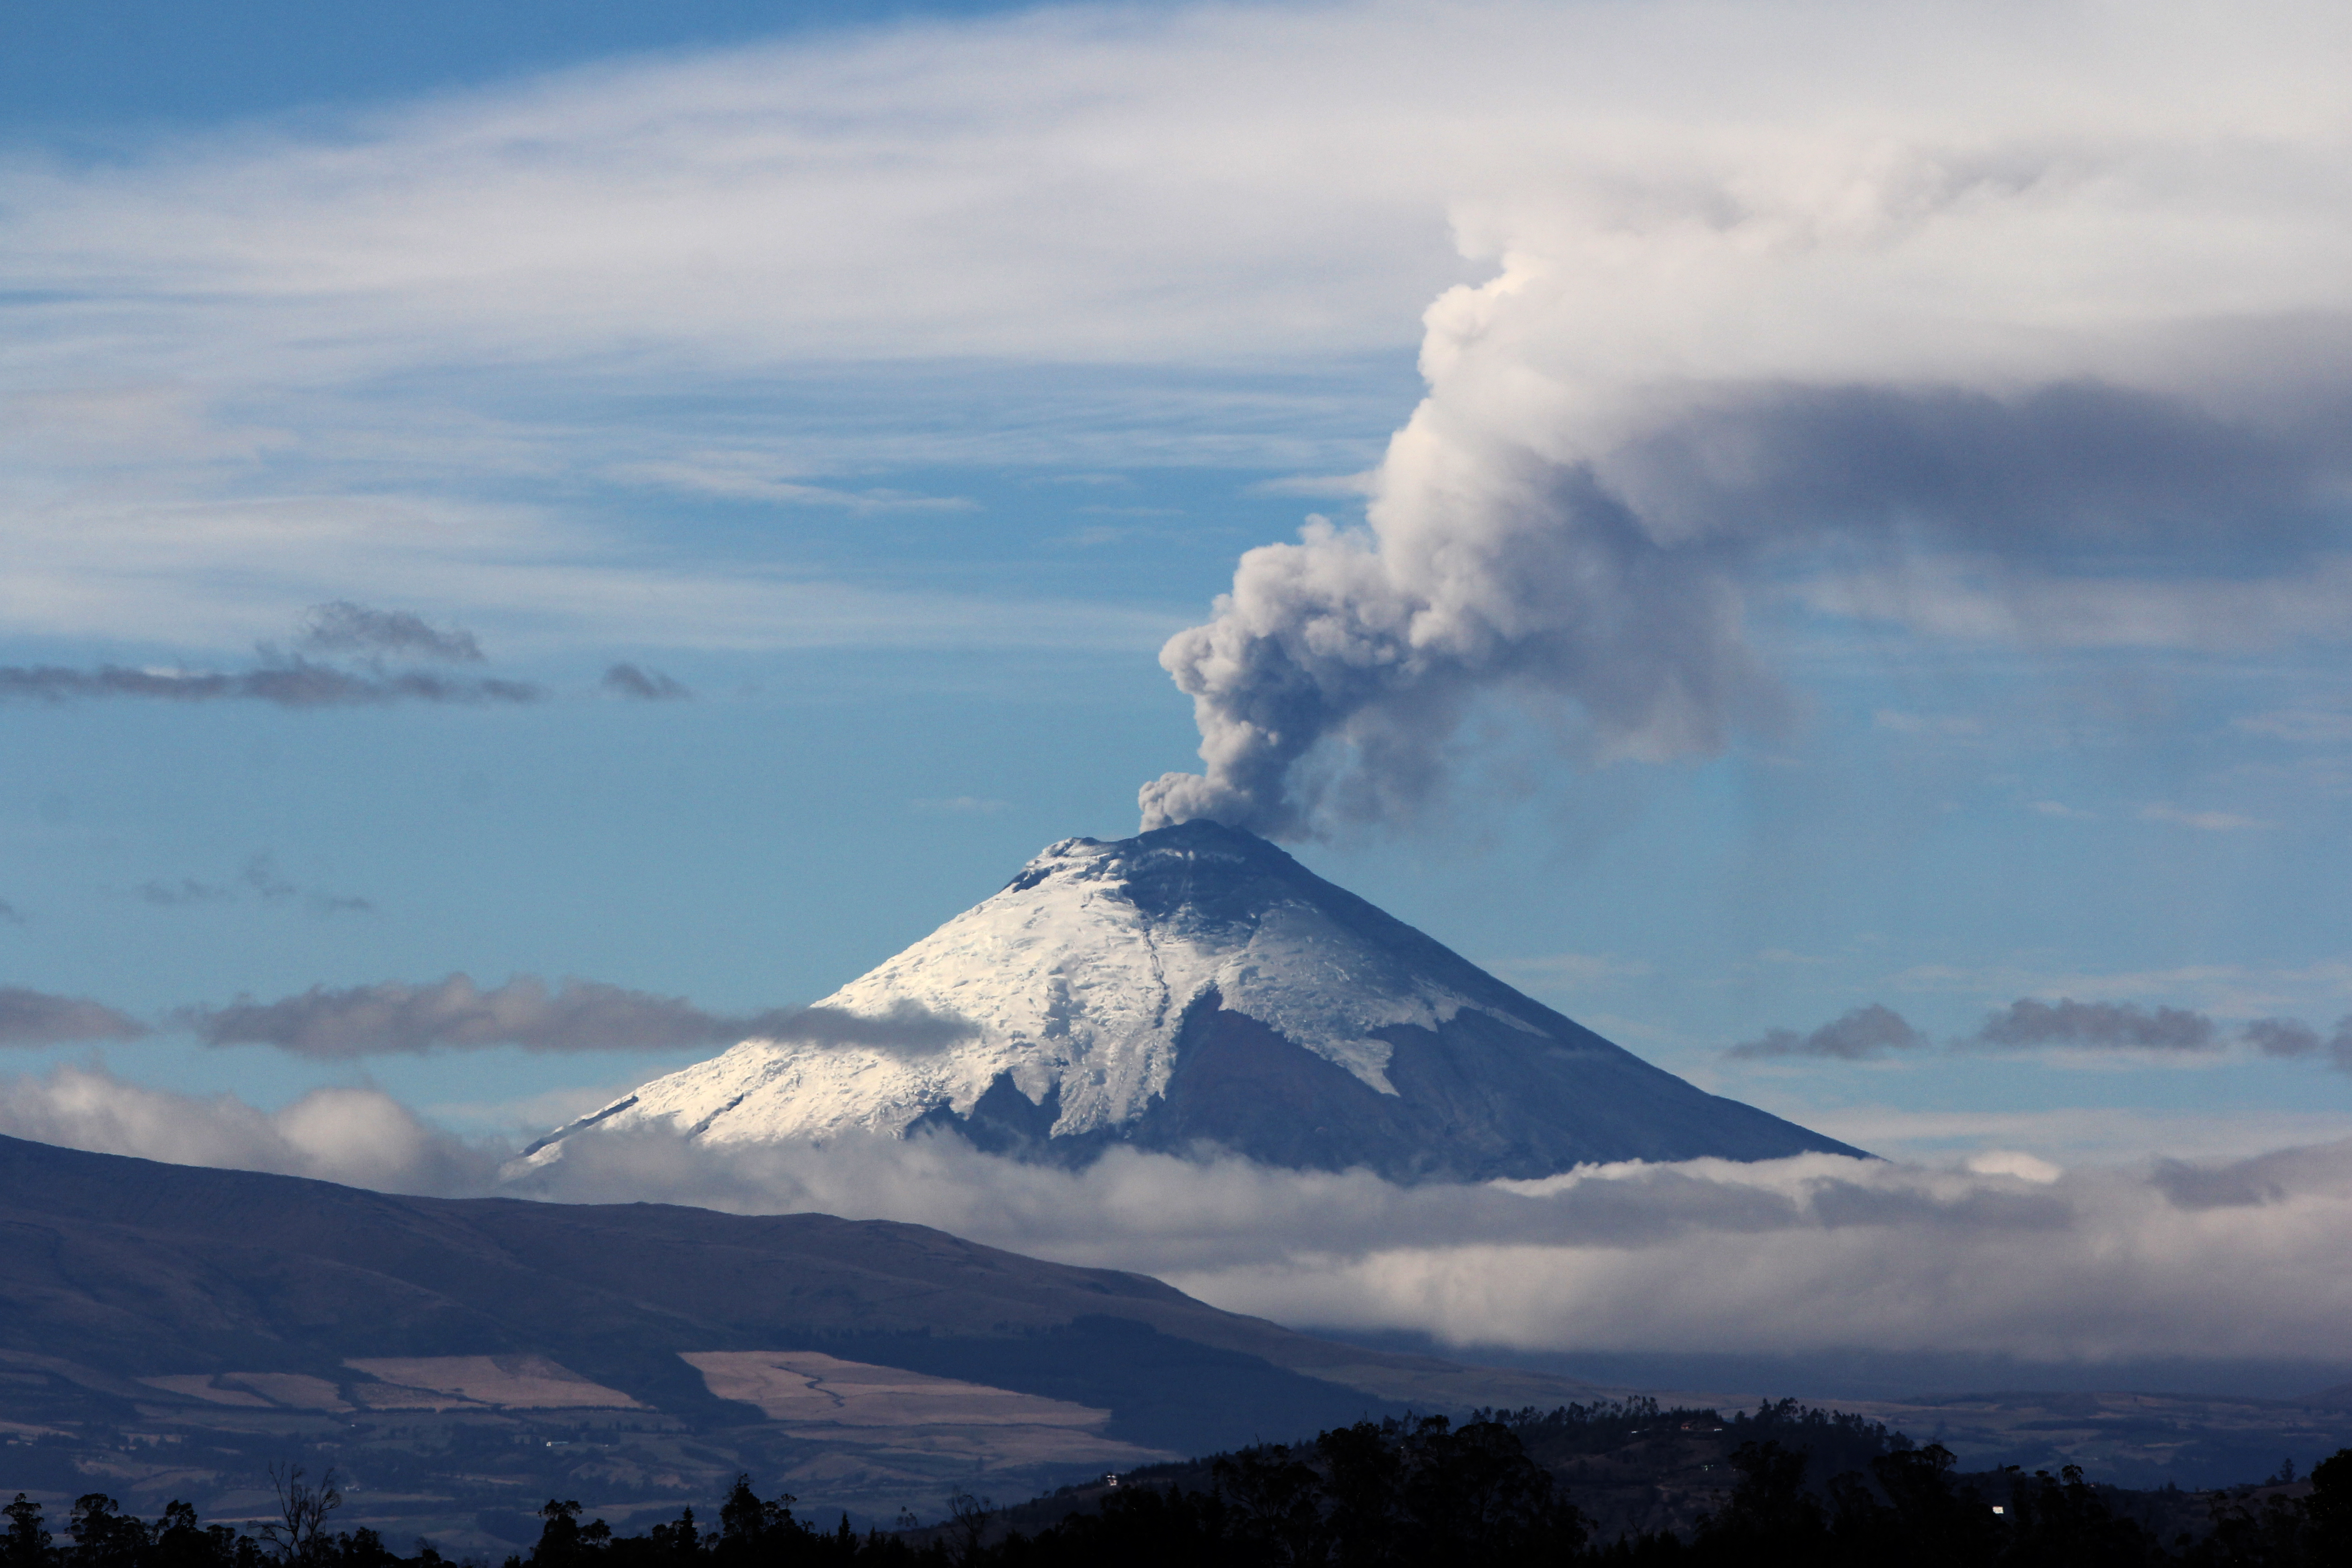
[[175, 1330]]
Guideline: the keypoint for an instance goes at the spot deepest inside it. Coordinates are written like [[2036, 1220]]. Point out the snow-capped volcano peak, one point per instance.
[[1081, 1004]]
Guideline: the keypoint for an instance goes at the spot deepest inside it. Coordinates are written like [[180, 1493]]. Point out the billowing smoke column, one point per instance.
[[1485, 569], [1491, 563], [1983, 375]]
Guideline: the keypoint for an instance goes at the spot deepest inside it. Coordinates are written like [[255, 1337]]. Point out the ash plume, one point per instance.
[[1723, 370]]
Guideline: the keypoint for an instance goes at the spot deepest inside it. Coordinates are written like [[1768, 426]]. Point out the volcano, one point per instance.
[[1195, 990]]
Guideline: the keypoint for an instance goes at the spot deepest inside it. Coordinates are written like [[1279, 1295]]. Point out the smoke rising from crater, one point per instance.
[[1872, 341]]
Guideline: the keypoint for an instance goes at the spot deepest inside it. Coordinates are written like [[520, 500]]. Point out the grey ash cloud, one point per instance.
[[297, 679], [1863, 1033], [36, 1018], [643, 685], [394, 1017]]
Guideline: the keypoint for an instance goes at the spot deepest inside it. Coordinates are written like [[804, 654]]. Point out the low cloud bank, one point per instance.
[[2006, 1255], [362, 1137]]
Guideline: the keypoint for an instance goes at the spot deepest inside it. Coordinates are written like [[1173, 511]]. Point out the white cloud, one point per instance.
[[2015, 1253], [1204, 218], [358, 1136], [2015, 1257]]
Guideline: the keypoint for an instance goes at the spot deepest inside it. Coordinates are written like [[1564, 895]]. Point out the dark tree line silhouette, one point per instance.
[[1420, 1492]]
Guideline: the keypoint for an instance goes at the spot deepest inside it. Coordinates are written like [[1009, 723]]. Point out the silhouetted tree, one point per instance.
[[298, 1535], [103, 1535], [1770, 1518], [27, 1544]]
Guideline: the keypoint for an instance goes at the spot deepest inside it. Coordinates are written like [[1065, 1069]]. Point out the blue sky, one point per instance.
[[897, 380]]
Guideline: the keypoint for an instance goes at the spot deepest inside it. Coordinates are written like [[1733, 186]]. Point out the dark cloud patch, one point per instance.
[[10, 915], [2283, 1037], [1864, 1032], [2241, 1185], [643, 685], [339, 904], [2030, 1023], [36, 1018], [370, 638], [455, 1013], [259, 879], [344, 628], [186, 890], [2293, 1038], [2098, 1026], [292, 683], [907, 1029], [260, 874]]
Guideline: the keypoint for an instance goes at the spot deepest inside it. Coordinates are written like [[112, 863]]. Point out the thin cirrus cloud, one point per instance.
[[1778, 278], [336, 1024]]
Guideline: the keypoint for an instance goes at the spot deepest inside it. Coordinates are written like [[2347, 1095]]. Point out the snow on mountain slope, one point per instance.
[[1181, 987]]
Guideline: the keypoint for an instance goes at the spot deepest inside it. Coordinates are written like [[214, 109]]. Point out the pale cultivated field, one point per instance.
[[508, 1382], [286, 1389], [885, 1417], [802, 1385]]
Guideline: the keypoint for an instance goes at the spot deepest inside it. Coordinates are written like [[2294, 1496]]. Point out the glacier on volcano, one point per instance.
[[1194, 989]]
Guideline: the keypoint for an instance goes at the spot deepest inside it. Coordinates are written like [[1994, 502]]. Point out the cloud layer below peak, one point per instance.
[[2006, 1255]]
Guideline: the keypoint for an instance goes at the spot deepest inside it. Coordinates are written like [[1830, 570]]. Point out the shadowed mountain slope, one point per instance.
[[130, 1270]]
